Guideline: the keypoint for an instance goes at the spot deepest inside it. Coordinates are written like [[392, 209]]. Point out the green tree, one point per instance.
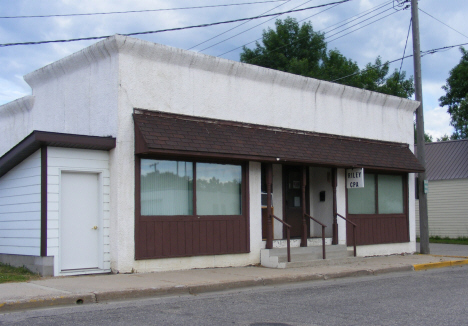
[[301, 50], [444, 138], [456, 97]]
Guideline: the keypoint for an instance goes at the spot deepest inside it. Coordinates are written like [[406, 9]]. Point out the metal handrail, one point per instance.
[[288, 237], [354, 231], [323, 234]]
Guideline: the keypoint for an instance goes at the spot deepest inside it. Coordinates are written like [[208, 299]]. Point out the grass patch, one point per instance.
[[437, 239], [15, 274]]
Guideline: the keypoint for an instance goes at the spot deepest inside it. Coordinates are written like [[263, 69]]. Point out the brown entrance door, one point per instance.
[[292, 197]]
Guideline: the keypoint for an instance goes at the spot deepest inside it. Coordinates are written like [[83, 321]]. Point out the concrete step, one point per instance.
[[282, 243], [306, 256]]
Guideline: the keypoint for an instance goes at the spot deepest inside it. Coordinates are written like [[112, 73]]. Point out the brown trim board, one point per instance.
[[38, 139]]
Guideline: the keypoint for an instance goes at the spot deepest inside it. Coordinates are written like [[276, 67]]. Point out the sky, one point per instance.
[[386, 37]]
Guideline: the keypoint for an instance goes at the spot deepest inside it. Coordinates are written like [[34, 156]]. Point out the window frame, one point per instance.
[[380, 228], [376, 194], [241, 245], [194, 214]]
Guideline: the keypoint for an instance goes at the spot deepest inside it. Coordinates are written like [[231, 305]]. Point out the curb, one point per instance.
[[99, 297], [421, 267], [72, 299]]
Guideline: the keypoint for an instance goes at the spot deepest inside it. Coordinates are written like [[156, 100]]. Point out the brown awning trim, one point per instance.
[[38, 139], [181, 135]]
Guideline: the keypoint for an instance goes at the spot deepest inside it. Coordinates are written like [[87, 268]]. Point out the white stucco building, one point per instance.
[[134, 156]]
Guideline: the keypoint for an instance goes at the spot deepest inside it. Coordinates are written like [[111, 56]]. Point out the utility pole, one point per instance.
[[423, 217]]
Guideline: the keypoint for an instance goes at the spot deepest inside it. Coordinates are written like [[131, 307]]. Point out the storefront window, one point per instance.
[[382, 194], [362, 200], [218, 189], [167, 188], [390, 194]]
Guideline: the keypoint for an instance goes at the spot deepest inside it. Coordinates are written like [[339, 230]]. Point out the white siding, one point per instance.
[[69, 159], [447, 202], [20, 208]]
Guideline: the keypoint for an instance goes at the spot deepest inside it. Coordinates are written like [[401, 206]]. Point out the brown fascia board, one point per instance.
[[38, 139], [172, 154]]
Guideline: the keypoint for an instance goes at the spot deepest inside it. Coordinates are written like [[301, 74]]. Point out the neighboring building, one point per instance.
[[447, 199], [133, 156]]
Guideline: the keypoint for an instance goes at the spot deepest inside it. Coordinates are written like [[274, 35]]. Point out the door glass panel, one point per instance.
[[390, 194], [362, 200], [166, 187], [294, 190], [219, 189]]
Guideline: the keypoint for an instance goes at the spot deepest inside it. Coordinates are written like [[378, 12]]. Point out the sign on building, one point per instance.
[[355, 178]]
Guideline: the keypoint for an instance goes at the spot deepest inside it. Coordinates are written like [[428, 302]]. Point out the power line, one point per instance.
[[220, 55], [358, 23], [361, 26], [170, 29], [358, 16], [361, 15], [251, 28], [406, 43], [443, 23], [423, 53], [442, 48], [139, 11], [235, 26]]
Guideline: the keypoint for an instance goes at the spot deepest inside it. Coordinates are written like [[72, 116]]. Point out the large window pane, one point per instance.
[[219, 189], [390, 194], [166, 187], [362, 200]]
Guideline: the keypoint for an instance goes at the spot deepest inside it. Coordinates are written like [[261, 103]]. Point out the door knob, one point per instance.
[[94, 227]]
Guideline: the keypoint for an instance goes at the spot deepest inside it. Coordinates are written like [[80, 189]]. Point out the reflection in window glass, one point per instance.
[[218, 189], [390, 194], [362, 200], [166, 187]]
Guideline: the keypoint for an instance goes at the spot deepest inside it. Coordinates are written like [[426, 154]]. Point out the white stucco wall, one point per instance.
[[94, 92], [20, 208], [16, 122], [158, 77], [77, 95]]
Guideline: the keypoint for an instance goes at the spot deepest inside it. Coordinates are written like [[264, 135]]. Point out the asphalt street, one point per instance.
[[433, 297]]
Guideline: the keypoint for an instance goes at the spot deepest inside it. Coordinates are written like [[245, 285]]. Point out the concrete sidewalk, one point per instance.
[[72, 290]]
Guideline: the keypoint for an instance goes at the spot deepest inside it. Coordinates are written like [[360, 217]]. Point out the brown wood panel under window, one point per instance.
[[165, 239], [375, 229]]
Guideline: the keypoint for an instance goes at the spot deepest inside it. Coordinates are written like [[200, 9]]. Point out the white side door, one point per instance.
[[79, 223]]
